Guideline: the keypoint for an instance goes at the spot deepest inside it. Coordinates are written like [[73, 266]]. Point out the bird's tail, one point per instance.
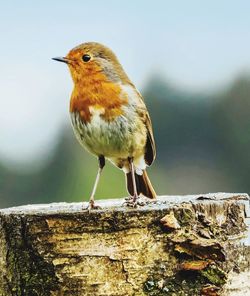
[[143, 185]]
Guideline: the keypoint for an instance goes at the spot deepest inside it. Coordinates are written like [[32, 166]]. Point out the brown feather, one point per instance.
[[143, 185], [150, 151]]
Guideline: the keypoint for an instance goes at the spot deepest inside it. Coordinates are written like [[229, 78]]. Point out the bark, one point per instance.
[[178, 245]]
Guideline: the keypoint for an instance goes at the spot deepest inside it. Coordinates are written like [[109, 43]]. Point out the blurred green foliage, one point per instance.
[[203, 144]]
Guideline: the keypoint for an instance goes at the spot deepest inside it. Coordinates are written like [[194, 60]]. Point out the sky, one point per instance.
[[197, 45]]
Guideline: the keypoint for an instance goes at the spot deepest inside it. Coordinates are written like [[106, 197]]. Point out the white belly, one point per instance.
[[121, 138]]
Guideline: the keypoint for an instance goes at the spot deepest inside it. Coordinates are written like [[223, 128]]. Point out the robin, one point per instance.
[[110, 118]]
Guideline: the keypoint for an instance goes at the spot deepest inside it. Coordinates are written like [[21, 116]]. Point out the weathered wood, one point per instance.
[[178, 245]]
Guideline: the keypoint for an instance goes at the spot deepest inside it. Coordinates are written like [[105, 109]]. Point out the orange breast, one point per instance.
[[96, 90]]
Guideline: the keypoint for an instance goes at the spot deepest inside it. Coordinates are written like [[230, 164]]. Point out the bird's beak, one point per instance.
[[61, 59]]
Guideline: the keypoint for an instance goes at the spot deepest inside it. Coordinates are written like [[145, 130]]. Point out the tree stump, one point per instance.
[[177, 245]]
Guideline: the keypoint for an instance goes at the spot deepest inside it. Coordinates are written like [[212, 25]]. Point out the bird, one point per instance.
[[109, 117]]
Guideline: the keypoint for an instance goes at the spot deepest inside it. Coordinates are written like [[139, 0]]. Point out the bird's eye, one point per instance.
[[86, 58]]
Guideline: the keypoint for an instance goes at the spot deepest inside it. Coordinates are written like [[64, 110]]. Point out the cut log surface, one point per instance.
[[177, 245]]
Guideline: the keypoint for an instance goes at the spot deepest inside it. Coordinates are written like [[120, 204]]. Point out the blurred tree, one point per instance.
[[181, 121], [232, 118]]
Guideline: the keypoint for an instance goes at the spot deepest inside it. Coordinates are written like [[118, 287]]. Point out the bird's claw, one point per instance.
[[92, 206], [133, 202]]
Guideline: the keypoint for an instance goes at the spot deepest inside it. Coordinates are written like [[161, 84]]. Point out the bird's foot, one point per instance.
[[92, 205], [134, 201]]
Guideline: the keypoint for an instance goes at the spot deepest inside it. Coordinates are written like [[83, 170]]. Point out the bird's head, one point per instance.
[[90, 59]]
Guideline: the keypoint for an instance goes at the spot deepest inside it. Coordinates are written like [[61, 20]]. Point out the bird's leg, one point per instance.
[[132, 169], [92, 205]]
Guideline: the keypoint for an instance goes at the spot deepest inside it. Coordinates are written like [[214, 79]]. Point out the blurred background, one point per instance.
[[189, 59]]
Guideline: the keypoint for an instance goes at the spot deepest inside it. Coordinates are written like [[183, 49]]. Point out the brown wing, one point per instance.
[[150, 151]]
